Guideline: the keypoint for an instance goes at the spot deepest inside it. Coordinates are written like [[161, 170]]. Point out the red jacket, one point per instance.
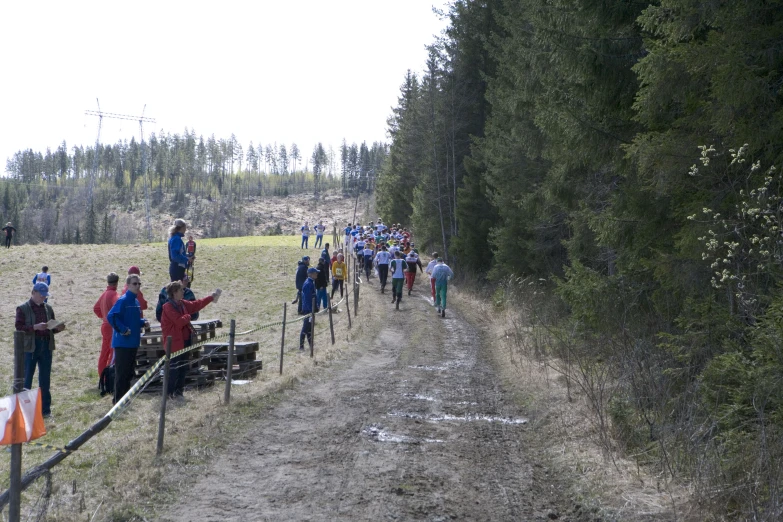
[[176, 323], [105, 302]]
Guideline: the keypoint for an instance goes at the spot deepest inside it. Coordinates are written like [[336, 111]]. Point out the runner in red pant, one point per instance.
[[430, 266], [412, 260]]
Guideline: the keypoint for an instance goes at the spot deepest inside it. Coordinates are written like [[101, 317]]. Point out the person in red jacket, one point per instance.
[[101, 309], [175, 322], [139, 295]]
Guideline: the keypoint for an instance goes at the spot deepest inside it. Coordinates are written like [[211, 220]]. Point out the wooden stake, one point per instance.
[[164, 397], [331, 323], [15, 509], [230, 367], [312, 329], [282, 338]]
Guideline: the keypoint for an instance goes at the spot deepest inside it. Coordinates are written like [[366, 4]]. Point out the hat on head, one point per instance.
[[440, 260], [305, 258], [112, 278], [312, 270], [134, 270], [41, 288]]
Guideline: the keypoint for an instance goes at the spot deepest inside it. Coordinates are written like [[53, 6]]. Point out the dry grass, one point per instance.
[[565, 430], [115, 475]]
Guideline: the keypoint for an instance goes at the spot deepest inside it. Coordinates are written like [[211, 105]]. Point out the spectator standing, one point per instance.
[[442, 274], [43, 277], [143, 305], [102, 307], [126, 321], [319, 234], [178, 261], [301, 276], [190, 253], [308, 291], [175, 323], [338, 274], [163, 298], [9, 234], [321, 283], [305, 229], [32, 318]]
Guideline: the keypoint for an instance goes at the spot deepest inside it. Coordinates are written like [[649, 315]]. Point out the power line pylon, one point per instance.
[[142, 120]]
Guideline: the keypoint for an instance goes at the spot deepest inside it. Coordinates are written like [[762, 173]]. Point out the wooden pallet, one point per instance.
[[242, 370], [245, 363]]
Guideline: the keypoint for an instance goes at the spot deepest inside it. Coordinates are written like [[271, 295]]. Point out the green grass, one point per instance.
[[256, 275]]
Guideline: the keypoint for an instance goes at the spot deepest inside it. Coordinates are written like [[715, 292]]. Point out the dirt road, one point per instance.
[[413, 427]]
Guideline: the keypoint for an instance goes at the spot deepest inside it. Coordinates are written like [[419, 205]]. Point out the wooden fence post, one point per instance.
[[164, 397], [15, 508], [331, 323], [312, 328], [230, 366], [282, 338]]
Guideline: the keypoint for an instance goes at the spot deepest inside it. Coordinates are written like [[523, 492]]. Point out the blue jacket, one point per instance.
[[126, 315], [163, 298], [301, 274], [177, 250], [308, 291]]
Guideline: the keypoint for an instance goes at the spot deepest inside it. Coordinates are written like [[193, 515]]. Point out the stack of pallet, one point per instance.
[[152, 348], [245, 363]]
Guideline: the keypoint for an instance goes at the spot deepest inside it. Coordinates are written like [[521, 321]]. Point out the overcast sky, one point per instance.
[[268, 71]]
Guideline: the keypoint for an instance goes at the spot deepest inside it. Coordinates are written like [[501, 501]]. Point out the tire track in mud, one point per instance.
[[413, 427]]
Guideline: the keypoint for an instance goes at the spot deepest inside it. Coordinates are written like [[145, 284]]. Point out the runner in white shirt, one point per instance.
[[382, 261]]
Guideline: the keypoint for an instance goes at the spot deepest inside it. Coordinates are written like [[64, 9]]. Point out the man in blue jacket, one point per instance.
[[308, 293], [301, 276], [125, 319]]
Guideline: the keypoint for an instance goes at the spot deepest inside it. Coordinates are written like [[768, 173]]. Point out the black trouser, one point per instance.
[[176, 272], [299, 302], [179, 369], [306, 333], [124, 368], [8, 241], [383, 273], [337, 283]]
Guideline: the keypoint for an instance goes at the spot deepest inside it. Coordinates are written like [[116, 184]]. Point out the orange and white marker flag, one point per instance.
[[21, 417]]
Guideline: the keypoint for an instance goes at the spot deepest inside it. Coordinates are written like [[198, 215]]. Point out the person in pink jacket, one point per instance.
[[175, 323], [101, 309]]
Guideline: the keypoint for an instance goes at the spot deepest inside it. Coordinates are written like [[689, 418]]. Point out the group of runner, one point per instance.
[[390, 250]]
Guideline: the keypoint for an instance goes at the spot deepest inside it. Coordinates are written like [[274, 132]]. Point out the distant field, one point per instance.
[[256, 275]]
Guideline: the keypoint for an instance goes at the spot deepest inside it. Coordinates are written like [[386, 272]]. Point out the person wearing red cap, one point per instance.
[[139, 296]]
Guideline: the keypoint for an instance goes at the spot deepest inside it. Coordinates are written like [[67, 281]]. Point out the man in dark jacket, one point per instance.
[[301, 275], [33, 318], [163, 298], [306, 302]]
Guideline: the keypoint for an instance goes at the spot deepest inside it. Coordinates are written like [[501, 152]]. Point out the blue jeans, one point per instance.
[[306, 333], [319, 240], [320, 298], [42, 356], [305, 239]]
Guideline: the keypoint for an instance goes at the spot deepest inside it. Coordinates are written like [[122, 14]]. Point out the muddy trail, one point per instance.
[[412, 426]]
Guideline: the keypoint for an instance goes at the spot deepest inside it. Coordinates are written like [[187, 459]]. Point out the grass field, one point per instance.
[[116, 470]]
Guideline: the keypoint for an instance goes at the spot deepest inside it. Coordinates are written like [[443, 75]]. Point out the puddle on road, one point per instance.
[[429, 368], [419, 397], [469, 417], [377, 432]]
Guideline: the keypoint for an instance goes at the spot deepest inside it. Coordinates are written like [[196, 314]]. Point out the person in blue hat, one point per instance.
[[308, 293], [34, 317]]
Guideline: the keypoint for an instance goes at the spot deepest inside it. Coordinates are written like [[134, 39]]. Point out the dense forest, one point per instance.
[[625, 153], [85, 194]]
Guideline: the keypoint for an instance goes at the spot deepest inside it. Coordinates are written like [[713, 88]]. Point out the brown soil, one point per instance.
[[413, 425]]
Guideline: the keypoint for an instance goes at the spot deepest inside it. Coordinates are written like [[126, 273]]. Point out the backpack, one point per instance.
[[106, 384]]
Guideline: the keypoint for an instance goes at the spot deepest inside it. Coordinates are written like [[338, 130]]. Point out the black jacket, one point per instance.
[[301, 274]]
